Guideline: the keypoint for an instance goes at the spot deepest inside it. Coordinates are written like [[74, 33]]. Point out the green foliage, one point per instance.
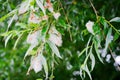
[[55, 40]]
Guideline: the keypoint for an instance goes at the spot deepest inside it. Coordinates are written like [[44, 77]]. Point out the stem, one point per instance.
[[112, 27], [94, 9], [66, 20], [111, 52]]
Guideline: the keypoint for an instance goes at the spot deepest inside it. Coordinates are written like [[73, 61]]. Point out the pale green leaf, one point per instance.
[[39, 79], [7, 39], [29, 50], [81, 74], [88, 44], [116, 36], [16, 42], [22, 25], [8, 15], [83, 51], [44, 63], [92, 61], [109, 38], [10, 21], [116, 19], [40, 4], [96, 44], [54, 49], [85, 68]]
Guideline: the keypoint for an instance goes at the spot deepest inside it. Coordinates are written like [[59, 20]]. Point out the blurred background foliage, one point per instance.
[[74, 15]]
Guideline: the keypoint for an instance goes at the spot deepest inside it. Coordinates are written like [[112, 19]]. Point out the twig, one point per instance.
[[113, 27], [66, 20], [94, 9]]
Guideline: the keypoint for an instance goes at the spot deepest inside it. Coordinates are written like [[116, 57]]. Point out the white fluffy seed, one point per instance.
[[89, 26], [117, 60]]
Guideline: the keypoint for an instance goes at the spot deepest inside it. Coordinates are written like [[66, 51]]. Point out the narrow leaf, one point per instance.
[[93, 61], [17, 41], [10, 22], [116, 36], [81, 74], [97, 52], [21, 25], [88, 44], [83, 51], [44, 63], [116, 19], [39, 79], [8, 15], [109, 38], [28, 51], [40, 4], [7, 39], [54, 49], [85, 68]]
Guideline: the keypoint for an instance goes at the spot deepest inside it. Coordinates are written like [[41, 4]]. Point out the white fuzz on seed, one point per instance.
[[23, 7], [89, 26], [36, 63], [56, 15], [108, 58], [34, 18], [117, 60], [55, 36], [51, 9], [33, 38]]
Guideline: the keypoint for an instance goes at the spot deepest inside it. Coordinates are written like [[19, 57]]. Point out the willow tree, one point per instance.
[[46, 26]]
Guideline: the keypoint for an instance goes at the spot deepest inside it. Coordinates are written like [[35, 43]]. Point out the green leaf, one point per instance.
[[44, 32], [54, 49], [103, 22], [88, 44], [32, 3], [62, 23], [22, 25], [85, 68], [29, 50], [96, 45], [40, 4], [44, 63], [83, 51], [93, 61], [16, 42], [82, 74], [96, 28], [116, 36], [84, 32], [108, 40], [33, 52], [116, 19], [10, 22], [39, 79], [8, 15], [7, 39]]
